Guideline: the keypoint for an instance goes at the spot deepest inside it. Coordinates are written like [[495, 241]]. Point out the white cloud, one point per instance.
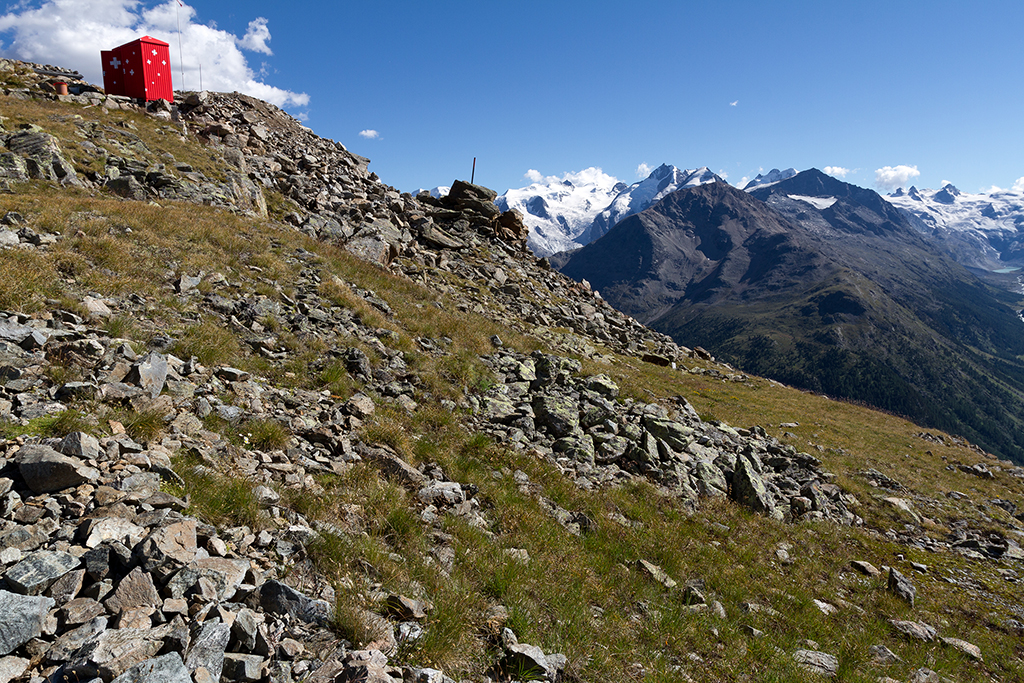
[[256, 37], [1019, 185], [722, 174], [71, 33], [369, 134], [741, 183], [837, 171], [643, 170], [892, 177], [533, 175], [946, 182]]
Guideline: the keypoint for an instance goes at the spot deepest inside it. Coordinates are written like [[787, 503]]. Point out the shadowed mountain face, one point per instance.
[[826, 286]]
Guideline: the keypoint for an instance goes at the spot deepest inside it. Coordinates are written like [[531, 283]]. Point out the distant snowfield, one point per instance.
[[557, 209], [819, 203], [983, 230], [569, 211], [952, 209]]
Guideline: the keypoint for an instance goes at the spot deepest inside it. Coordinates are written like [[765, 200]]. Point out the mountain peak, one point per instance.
[[662, 182], [842, 206], [773, 176], [558, 209]]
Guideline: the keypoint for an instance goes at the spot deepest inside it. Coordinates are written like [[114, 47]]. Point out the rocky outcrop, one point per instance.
[[543, 403]]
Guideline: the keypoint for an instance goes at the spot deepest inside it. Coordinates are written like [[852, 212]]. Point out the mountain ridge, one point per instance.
[[778, 285]]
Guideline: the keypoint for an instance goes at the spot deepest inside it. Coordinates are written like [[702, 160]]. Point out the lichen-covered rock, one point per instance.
[[21, 619], [748, 488]]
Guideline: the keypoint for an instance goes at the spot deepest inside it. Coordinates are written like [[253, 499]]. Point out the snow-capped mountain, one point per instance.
[[437, 192], [665, 180], [559, 209], [983, 230], [773, 176]]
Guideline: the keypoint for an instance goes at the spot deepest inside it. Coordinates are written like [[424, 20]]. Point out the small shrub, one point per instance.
[[120, 326], [67, 422], [62, 369], [402, 526], [143, 425], [349, 620], [218, 498], [337, 380], [211, 343]]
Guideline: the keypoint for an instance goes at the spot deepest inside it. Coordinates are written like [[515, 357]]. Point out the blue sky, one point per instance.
[[556, 87]]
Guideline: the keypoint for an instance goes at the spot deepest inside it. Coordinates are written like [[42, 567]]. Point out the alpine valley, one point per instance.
[[830, 287]]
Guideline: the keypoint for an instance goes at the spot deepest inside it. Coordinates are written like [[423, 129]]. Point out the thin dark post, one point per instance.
[[473, 176]]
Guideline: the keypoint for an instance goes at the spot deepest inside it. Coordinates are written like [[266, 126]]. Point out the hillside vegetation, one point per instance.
[[395, 446]]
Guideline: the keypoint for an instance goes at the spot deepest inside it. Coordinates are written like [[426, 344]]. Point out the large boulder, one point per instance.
[[21, 619], [45, 470], [558, 415], [748, 488]]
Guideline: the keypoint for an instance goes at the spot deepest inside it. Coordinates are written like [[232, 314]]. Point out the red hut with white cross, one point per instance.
[[139, 69]]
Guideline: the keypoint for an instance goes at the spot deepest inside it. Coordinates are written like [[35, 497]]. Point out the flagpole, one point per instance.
[[181, 55]]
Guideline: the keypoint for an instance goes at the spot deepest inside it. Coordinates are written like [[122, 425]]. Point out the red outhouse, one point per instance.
[[139, 69]]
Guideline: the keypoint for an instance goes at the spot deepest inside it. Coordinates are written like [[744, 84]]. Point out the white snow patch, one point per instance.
[[819, 203]]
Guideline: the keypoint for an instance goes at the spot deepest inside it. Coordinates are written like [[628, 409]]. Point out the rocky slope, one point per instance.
[[373, 438]]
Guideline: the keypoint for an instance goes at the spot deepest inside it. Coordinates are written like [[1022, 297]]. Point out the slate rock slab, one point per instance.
[[206, 650], [114, 651], [817, 662], [917, 630], [969, 649], [81, 445], [46, 471], [175, 542], [748, 488], [36, 572], [12, 668], [280, 598], [135, 590], [241, 667], [21, 619], [166, 669], [902, 587]]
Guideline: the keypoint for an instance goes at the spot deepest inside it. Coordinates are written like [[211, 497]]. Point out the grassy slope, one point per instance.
[[579, 595]]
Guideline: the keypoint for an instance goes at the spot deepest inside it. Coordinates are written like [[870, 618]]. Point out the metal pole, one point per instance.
[[473, 177], [181, 55]]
